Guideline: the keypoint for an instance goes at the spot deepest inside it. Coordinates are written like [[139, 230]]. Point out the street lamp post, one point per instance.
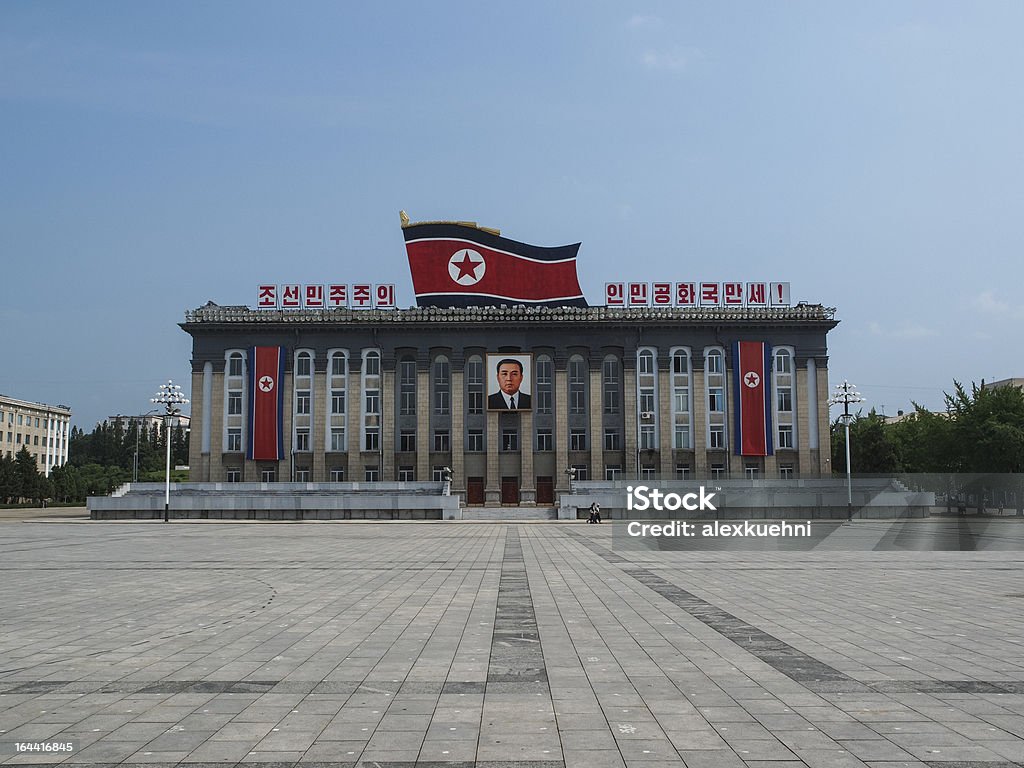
[[844, 395], [571, 474], [169, 395], [446, 476]]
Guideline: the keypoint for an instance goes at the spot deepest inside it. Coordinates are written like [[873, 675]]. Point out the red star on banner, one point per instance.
[[467, 267]]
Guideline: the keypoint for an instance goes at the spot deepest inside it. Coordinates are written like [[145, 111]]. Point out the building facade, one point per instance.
[[42, 429], [402, 394]]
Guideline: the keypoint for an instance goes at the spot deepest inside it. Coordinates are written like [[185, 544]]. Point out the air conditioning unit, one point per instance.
[[647, 415]]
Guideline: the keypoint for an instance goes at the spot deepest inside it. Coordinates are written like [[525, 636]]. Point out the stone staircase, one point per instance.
[[506, 514]]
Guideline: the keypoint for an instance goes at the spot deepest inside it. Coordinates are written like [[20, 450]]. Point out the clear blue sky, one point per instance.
[[154, 156]]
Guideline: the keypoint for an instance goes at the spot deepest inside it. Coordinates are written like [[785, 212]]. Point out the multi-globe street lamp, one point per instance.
[[170, 396], [845, 394]]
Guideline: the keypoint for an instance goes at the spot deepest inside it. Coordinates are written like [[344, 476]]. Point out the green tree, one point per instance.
[[871, 452]]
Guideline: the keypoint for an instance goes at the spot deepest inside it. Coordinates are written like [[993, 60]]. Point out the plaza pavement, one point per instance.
[[498, 645]]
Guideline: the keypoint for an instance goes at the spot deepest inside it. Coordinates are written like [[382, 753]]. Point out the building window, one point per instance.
[[302, 475], [714, 361], [337, 385], [645, 362], [303, 364], [337, 439], [338, 364], [235, 364], [510, 439], [437, 474], [234, 397], [751, 472], [613, 472], [234, 440], [544, 385], [337, 474], [647, 472], [407, 388], [475, 441], [786, 471], [785, 436], [442, 384], [302, 440], [681, 417], [406, 474], [682, 437], [545, 440], [612, 440], [577, 385], [337, 401], [582, 473], [783, 361], [372, 439], [716, 433], [302, 402], [716, 399], [610, 380], [785, 399], [442, 441], [407, 441], [717, 471], [371, 474], [234, 403], [647, 437], [268, 475], [372, 363], [233, 475], [475, 385], [577, 440], [682, 471]]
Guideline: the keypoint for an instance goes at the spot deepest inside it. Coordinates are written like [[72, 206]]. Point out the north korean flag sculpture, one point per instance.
[[457, 264], [752, 368], [266, 403]]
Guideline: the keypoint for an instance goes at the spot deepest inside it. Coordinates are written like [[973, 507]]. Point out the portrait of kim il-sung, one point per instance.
[[509, 385]]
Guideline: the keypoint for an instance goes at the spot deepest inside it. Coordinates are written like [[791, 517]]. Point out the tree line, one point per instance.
[[981, 433], [99, 462]]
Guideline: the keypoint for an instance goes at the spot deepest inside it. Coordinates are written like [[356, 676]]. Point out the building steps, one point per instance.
[[509, 513]]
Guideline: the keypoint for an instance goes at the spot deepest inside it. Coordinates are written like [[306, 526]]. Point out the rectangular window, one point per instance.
[[785, 399], [612, 472], [302, 475], [785, 436], [646, 401], [338, 365], [476, 402], [233, 475], [510, 439], [577, 401], [717, 471], [407, 441], [338, 401], [234, 403], [682, 437], [475, 441], [716, 435], [373, 365], [647, 472], [437, 474], [786, 471], [682, 401], [268, 475], [545, 440], [373, 401], [234, 440], [682, 471], [647, 437], [337, 439], [543, 401], [302, 440], [714, 363], [441, 402], [716, 399], [751, 472], [372, 441], [302, 401], [611, 398], [612, 440], [302, 365], [582, 473], [442, 441], [337, 473], [371, 474], [407, 405], [577, 440], [406, 474], [235, 366]]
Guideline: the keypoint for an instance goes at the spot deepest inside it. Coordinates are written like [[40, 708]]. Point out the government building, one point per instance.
[[402, 394], [41, 429]]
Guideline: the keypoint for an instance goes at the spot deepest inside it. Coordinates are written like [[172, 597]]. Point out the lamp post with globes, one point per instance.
[[169, 395], [844, 395]]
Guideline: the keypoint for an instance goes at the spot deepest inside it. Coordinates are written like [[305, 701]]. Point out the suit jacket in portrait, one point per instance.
[[496, 402]]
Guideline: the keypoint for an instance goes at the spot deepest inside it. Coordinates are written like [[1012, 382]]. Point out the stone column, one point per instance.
[[824, 463], [387, 429], [354, 426], [699, 396], [423, 445], [458, 433], [733, 462], [199, 440], [666, 421], [492, 491], [216, 410], [284, 466], [596, 434], [527, 483], [561, 430], [318, 427], [806, 465], [629, 394]]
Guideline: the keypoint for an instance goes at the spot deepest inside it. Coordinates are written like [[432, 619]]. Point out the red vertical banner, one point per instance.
[[752, 367], [266, 403]]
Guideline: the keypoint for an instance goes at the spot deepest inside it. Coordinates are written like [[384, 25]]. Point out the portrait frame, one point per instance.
[[495, 401]]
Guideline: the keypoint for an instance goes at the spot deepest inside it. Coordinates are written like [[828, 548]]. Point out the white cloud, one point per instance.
[[988, 303], [675, 60]]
